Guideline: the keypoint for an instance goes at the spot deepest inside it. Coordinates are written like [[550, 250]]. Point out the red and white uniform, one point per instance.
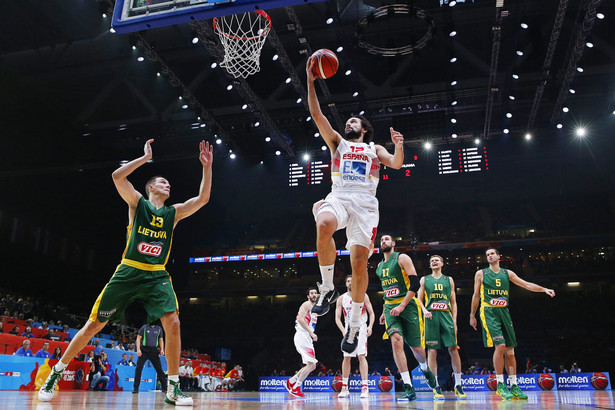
[[362, 342], [355, 172], [303, 341]]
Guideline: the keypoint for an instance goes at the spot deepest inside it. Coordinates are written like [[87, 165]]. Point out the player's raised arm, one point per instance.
[[408, 270], [120, 176], [395, 160], [478, 281], [183, 210], [331, 137], [514, 278]]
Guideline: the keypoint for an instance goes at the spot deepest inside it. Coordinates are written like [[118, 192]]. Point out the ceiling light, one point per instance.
[[287, 80], [139, 59], [454, 135], [324, 148], [600, 16], [559, 126], [185, 106], [453, 60], [329, 20], [306, 157], [524, 25], [275, 57], [214, 65], [453, 120], [356, 93], [229, 87], [506, 131], [256, 124], [157, 74], [528, 136], [340, 49], [232, 156], [477, 141], [104, 15], [348, 72], [515, 76], [299, 100], [361, 112], [519, 52], [454, 82], [511, 97], [509, 115], [580, 69], [454, 102], [589, 44], [202, 125], [277, 153], [134, 47], [452, 3], [218, 141], [565, 109], [580, 132], [267, 139], [317, 134], [243, 107], [195, 40], [452, 33], [572, 91], [427, 145]]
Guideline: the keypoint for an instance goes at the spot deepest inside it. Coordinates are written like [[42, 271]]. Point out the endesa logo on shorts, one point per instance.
[[151, 249]]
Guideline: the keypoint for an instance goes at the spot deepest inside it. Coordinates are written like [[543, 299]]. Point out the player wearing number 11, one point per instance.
[[141, 275], [491, 289]]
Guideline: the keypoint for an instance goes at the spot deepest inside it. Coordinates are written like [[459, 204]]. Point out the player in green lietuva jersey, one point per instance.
[[440, 309], [402, 312], [141, 275], [491, 289]]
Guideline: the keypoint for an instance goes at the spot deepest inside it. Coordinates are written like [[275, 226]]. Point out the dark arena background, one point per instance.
[[508, 114]]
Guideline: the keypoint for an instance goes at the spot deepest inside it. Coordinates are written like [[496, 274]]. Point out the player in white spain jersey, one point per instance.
[[305, 324], [352, 204], [344, 305]]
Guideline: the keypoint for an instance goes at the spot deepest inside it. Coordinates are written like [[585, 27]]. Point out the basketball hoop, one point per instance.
[[242, 36]]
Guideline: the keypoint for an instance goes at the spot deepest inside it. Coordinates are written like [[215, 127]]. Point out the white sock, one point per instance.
[[423, 366], [344, 381], [365, 382], [59, 366], [174, 379], [326, 272], [437, 384], [355, 313], [513, 379], [499, 378], [405, 376], [299, 383], [457, 379], [293, 379]]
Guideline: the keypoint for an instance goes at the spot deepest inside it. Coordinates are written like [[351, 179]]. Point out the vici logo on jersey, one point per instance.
[[438, 306], [151, 249]]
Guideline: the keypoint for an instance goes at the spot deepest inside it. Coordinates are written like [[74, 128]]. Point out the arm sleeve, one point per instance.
[[415, 283]]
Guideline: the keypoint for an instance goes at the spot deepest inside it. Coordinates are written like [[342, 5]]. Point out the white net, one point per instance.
[[242, 36]]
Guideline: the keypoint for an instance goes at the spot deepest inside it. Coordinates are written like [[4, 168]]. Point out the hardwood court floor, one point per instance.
[[11, 399]]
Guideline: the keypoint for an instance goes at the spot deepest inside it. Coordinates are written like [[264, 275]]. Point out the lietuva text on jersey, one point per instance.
[[151, 233], [497, 292]]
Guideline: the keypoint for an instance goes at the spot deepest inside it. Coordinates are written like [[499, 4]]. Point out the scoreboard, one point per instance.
[[310, 173], [457, 161]]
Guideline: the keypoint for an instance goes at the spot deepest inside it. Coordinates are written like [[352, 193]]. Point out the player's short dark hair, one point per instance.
[[387, 234], [369, 134], [497, 251], [346, 278], [311, 288], [437, 256], [151, 181]]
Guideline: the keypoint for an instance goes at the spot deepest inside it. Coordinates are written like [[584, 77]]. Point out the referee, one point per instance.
[[149, 346]]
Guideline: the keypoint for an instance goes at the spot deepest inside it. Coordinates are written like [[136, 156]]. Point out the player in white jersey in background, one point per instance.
[[352, 204], [344, 305], [305, 323]]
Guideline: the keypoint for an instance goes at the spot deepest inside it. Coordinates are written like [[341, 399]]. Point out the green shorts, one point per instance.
[[153, 289], [440, 327], [409, 323], [497, 326]]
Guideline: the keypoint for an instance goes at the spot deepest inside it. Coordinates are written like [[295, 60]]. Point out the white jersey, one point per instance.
[[311, 320], [347, 308], [355, 166]]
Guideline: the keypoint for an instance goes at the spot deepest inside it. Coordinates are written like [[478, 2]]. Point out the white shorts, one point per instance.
[[357, 212], [362, 343], [305, 346]]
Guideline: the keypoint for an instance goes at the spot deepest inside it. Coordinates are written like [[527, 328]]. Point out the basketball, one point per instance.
[[385, 384], [336, 383], [599, 381], [326, 63], [545, 381], [492, 382]]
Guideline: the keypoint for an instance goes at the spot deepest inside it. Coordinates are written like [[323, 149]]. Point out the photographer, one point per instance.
[[98, 380]]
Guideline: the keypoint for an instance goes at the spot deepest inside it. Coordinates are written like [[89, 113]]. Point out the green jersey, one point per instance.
[[437, 293], [394, 282], [149, 237], [495, 287]]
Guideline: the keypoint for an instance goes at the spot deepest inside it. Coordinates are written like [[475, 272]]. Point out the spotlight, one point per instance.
[[256, 124], [299, 100], [452, 3], [509, 115], [515, 76], [218, 141], [157, 74], [580, 132], [180, 97], [528, 136], [477, 141], [454, 135], [202, 125], [340, 49], [214, 65], [572, 91], [453, 120], [356, 93], [243, 107], [134, 47], [452, 33], [329, 20], [277, 153], [589, 44], [287, 80], [559, 126], [348, 72], [111, 30], [524, 26], [324, 148], [306, 157], [565, 109], [600, 16], [140, 59], [232, 156], [506, 131], [261, 162], [317, 134], [453, 60], [104, 15], [454, 102], [511, 97], [361, 112], [580, 69], [229, 87], [308, 118], [519, 52], [275, 57], [185, 106], [454, 82], [427, 145], [195, 40], [267, 139]]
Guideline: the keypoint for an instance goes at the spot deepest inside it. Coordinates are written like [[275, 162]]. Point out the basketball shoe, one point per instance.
[[344, 393], [364, 392], [437, 393], [350, 342], [293, 388], [49, 387], [516, 391], [409, 393], [431, 379], [175, 396], [503, 391], [459, 392], [327, 297]]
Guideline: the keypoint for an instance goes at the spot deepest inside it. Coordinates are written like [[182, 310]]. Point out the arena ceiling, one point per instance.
[[75, 96]]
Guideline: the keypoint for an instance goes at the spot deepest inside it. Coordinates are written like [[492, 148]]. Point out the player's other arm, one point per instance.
[[478, 281], [409, 271], [120, 176], [332, 138], [370, 312], [304, 310], [421, 297], [184, 210], [453, 302], [514, 278], [338, 316], [395, 160], [138, 343]]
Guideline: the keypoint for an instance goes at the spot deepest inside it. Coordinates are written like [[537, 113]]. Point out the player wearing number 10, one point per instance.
[[141, 275], [491, 289], [402, 312]]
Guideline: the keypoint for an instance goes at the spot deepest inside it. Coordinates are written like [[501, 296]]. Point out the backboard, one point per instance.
[[137, 15]]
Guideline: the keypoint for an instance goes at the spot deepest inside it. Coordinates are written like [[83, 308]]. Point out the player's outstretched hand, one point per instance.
[[550, 292], [397, 138], [309, 69], [147, 149], [473, 322], [207, 154]]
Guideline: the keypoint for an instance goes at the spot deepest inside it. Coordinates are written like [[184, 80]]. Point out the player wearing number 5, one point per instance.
[[141, 275], [402, 313], [440, 309], [352, 204], [491, 290]]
